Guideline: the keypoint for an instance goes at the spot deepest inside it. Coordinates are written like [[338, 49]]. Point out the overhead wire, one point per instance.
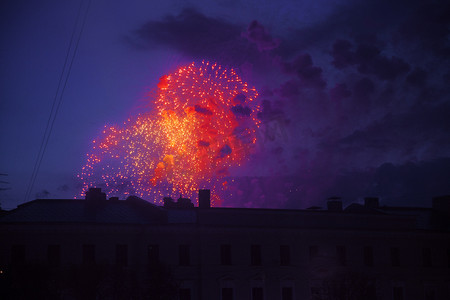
[[63, 79]]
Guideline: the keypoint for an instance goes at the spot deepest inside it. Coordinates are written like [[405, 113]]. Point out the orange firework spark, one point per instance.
[[204, 123]]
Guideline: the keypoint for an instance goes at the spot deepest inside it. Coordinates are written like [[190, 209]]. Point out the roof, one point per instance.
[[132, 211], [138, 211]]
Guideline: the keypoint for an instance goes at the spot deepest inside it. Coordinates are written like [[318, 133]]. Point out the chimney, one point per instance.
[[184, 203], [371, 202], [334, 204], [204, 198], [95, 194]]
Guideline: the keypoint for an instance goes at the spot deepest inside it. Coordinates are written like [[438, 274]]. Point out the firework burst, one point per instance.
[[203, 123]]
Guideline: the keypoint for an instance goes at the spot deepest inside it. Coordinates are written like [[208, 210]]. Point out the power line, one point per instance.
[[64, 77]]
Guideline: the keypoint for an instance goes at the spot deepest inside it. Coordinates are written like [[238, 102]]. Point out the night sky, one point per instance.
[[354, 94]]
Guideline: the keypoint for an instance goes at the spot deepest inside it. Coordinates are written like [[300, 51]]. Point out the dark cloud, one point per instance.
[[420, 133], [339, 92], [205, 37], [269, 113], [428, 26], [302, 66], [363, 88], [289, 89], [342, 54], [351, 19], [203, 144], [243, 111], [257, 34], [239, 98], [417, 77], [368, 59], [194, 33], [202, 110], [226, 150]]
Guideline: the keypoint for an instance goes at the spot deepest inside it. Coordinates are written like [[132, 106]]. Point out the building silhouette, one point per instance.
[[99, 248]]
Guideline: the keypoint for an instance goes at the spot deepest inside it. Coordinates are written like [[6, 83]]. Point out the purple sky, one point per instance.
[[355, 94]]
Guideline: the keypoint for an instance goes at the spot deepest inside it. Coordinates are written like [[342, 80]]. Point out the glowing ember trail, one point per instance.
[[204, 123]]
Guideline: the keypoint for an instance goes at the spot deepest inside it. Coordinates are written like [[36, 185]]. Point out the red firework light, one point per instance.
[[204, 123]]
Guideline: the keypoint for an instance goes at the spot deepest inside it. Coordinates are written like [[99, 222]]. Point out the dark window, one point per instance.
[[395, 256], [285, 255], [448, 258], [257, 293], [153, 254], [371, 292], [18, 254], [286, 293], [225, 255], [430, 294], [313, 251], [368, 256], [88, 254], [426, 257], [341, 255], [318, 293], [255, 255], [184, 255], [398, 293], [54, 255], [122, 255], [185, 294], [227, 293]]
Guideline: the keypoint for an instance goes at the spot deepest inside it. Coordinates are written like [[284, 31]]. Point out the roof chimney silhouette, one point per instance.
[[334, 204], [204, 198], [95, 194], [371, 202]]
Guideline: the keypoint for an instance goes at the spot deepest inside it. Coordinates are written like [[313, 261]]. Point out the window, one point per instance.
[[153, 254], [318, 293], [185, 294], [255, 255], [227, 293], [54, 255], [225, 255], [184, 255], [88, 254], [18, 254], [122, 255], [313, 251], [368, 256], [430, 293], [371, 292], [285, 255], [395, 256], [257, 293], [426, 257], [286, 293], [398, 293], [341, 255], [448, 258]]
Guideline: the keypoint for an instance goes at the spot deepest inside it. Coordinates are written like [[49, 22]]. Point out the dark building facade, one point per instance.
[[131, 249]]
